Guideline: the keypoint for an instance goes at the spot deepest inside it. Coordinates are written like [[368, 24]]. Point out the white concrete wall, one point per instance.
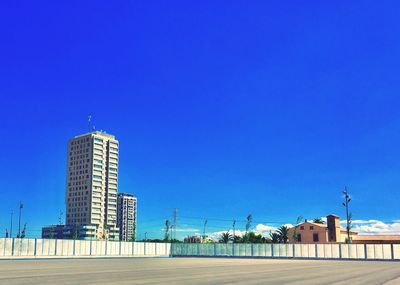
[[324, 251], [77, 248], [139, 248], [396, 251]]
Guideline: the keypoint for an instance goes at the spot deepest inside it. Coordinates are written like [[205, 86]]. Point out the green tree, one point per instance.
[[283, 233], [75, 235], [51, 235], [274, 237], [295, 234], [252, 237], [225, 237], [318, 221], [167, 227], [237, 239]]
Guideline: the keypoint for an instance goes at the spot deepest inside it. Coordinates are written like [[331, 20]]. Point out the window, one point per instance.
[[299, 237], [302, 228], [311, 227], [315, 238]]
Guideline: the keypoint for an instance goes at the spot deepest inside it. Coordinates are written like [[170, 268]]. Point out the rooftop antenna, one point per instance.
[[89, 122], [60, 218]]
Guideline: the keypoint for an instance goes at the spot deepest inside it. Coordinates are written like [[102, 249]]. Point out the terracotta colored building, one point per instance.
[[331, 232]]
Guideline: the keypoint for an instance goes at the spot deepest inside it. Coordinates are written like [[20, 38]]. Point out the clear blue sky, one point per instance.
[[221, 109]]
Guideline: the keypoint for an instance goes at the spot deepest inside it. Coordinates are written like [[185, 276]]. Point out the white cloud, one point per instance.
[[375, 227], [265, 228], [185, 230], [359, 222], [262, 229], [181, 230]]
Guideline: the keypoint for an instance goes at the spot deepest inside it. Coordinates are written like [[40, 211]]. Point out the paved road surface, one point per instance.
[[197, 271]]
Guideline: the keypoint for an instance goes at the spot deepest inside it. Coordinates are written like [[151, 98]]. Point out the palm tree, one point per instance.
[[255, 238], [167, 227], [249, 220], [318, 221], [274, 237], [252, 237], [283, 233], [225, 237], [237, 239]]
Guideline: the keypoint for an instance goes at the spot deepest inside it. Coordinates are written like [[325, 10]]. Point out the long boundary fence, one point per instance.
[[14, 247], [37, 248], [306, 251]]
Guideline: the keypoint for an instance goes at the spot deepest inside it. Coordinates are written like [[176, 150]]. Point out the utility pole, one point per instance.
[[234, 224], [19, 219], [171, 232], [145, 236], [11, 224], [348, 215], [175, 221], [204, 230]]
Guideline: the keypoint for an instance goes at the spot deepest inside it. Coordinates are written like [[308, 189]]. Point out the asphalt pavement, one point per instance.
[[197, 271]]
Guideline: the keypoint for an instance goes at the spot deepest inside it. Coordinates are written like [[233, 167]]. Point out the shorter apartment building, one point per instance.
[[193, 239], [82, 232], [126, 216]]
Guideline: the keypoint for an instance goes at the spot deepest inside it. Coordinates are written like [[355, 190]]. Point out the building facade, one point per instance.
[[92, 184], [331, 232], [69, 232], [309, 232], [126, 218]]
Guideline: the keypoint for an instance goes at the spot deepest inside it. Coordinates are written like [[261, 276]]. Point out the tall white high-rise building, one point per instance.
[[92, 185], [126, 222]]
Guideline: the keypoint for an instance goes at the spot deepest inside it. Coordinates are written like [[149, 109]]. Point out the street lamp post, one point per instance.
[[171, 233], [234, 224], [11, 222], [19, 219], [346, 205], [204, 230]]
